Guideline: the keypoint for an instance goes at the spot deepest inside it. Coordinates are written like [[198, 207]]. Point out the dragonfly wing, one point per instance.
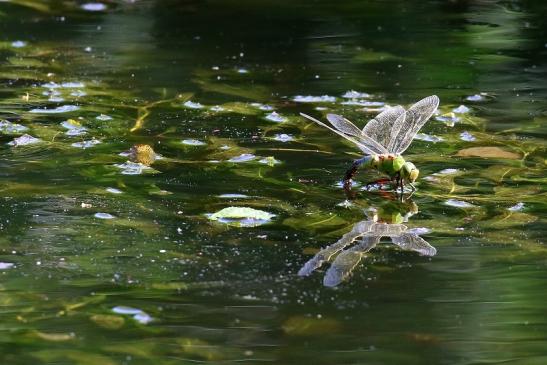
[[347, 260], [413, 242], [381, 128], [355, 140], [344, 125], [415, 118]]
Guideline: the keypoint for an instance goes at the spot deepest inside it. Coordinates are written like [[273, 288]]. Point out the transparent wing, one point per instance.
[[358, 230], [413, 242], [385, 125], [344, 125], [344, 263], [415, 118], [354, 140]]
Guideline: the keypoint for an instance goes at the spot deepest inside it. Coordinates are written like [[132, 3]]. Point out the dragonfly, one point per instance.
[[384, 139]]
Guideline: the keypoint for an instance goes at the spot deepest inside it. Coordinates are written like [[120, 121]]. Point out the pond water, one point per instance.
[[107, 261]]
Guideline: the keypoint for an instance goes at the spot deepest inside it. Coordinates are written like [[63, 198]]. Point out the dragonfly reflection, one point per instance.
[[383, 222]]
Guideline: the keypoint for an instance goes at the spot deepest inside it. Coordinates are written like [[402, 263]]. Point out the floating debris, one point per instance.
[[233, 196], [242, 216], [51, 85], [74, 128], [142, 154], [78, 93], [59, 109], [138, 315], [466, 136], [73, 85], [193, 142], [103, 117], [283, 137], [132, 168], [462, 109], [314, 99], [8, 127], [94, 7], [217, 108], [428, 138], [516, 208], [476, 97], [447, 172], [24, 140], [352, 94], [114, 190], [419, 231], [449, 119], [488, 152], [244, 157], [275, 117], [18, 44], [345, 204], [190, 104], [6, 265], [86, 144], [104, 216], [365, 103], [264, 107], [458, 204], [270, 161]]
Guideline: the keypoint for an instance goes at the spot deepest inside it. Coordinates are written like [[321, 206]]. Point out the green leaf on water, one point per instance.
[[241, 213]]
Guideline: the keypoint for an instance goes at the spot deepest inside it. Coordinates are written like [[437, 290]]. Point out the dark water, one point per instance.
[[161, 283]]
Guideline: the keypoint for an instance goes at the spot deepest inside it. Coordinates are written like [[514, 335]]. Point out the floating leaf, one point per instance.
[[310, 326], [107, 321], [241, 212], [488, 152]]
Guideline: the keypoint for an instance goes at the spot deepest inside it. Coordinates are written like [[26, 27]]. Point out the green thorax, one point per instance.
[[389, 164]]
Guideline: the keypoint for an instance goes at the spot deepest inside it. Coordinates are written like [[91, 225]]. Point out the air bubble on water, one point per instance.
[[94, 7], [245, 157], [352, 94], [24, 140], [103, 117], [516, 208], [104, 216], [193, 105], [283, 137], [60, 109], [193, 142], [18, 44], [428, 138], [275, 117], [476, 97], [314, 99], [86, 144], [466, 136], [462, 109], [458, 204]]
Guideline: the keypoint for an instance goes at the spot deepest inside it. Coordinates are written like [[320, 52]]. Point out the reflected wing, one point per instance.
[[385, 126], [413, 242], [415, 118], [345, 126], [344, 263], [358, 230]]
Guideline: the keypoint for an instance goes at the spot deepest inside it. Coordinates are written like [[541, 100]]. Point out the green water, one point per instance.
[[203, 291]]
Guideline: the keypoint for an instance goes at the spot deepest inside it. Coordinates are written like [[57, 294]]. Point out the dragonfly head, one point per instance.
[[410, 172]]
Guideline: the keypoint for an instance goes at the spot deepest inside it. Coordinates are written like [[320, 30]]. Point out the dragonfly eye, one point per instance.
[[413, 174]]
